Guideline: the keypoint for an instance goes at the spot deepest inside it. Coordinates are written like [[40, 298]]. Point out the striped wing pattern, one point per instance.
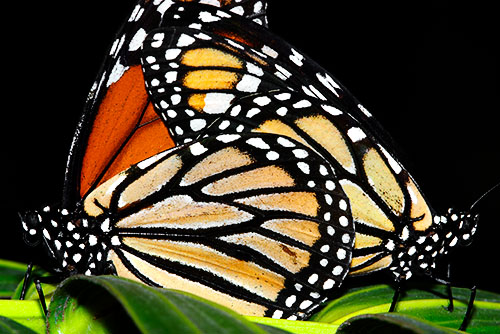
[[256, 222], [385, 201]]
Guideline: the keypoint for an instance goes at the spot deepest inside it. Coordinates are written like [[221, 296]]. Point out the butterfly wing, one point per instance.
[[119, 121], [257, 222], [385, 200], [265, 58]]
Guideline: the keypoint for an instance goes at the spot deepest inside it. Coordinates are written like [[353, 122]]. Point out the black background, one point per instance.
[[428, 71]]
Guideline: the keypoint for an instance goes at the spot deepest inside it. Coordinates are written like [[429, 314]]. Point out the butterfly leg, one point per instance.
[[448, 289], [450, 308], [468, 312], [41, 295], [38, 285], [449, 293], [397, 293], [27, 276]]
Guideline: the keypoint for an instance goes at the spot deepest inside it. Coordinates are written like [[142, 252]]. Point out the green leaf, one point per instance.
[[391, 323], [428, 304], [27, 313], [110, 304], [297, 326], [12, 279], [11, 273], [8, 326]]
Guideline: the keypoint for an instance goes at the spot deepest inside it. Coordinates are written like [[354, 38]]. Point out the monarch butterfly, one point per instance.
[[256, 222], [254, 81]]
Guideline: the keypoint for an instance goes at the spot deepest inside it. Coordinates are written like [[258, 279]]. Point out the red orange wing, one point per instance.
[[119, 127]]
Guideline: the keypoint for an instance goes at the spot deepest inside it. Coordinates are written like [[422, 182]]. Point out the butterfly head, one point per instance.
[[458, 228], [65, 237], [447, 231], [32, 226], [419, 250]]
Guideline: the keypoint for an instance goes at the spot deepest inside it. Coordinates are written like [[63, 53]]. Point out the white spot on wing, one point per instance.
[[197, 124], [356, 134], [331, 110], [197, 149], [304, 167], [164, 6], [297, 58], [217, 103], [285, 142], [364, 110], [302, 104], [172, 53], [238, 10], [272, 155], [207, 17], [258, 143], [185, 40], [92, 240], [396, 167], [228, 138], [254, 69], [262, 100], [248, 83], [328, 82], [136, 42], [116, 73], [252, 112], [269, 51]]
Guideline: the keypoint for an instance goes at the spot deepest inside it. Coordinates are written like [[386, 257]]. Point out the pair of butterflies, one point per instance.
[[214, 157]]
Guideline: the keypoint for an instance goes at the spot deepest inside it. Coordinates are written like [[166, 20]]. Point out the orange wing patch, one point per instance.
[[125, 125]]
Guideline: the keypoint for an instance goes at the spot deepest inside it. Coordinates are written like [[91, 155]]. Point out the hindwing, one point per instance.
[[256, 222]]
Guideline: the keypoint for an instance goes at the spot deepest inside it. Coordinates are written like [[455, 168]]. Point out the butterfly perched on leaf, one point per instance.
[[215, 157]]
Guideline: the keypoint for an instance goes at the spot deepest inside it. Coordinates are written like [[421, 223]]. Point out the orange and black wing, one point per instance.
[[119, 126], [256, 222]]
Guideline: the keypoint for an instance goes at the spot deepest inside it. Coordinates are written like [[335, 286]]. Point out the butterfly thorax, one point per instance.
[[75, 243], [419, 251]]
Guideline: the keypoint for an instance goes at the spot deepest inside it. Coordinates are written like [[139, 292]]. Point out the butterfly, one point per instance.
[[255, 222], [209, 74]]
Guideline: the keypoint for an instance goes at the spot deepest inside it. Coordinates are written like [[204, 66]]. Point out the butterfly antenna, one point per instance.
[[483, 196]]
